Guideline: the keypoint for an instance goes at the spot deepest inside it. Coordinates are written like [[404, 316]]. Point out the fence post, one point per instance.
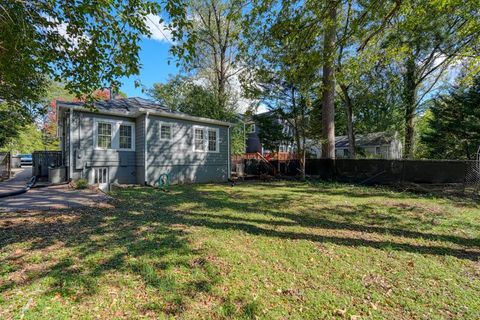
[[9, 165]]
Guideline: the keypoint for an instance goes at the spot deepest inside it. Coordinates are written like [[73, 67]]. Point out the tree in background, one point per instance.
[[12, 120], [210, 46], [428, 37], [28, 139], [183, 94], [271, 133], [283, 65], [375, 101], [454, 126]]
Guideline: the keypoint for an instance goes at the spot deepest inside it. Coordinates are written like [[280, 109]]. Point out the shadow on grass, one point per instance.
[[145, 235], [144, 244]]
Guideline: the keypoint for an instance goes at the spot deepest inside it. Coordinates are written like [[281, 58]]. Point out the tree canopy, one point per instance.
[[453, 130], [86, 45]]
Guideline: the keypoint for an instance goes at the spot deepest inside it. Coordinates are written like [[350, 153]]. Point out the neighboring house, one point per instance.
[[135, 141], [252, 130], [371, 145]]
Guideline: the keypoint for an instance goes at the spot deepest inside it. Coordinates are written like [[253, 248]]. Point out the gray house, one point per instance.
[[135, 141], [380, 145]]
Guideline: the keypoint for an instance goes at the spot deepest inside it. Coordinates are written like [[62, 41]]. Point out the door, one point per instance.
[[100, 178]]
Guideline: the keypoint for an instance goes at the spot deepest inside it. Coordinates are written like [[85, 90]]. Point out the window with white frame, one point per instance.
[[205, 139], [125, 136], [100, 176], [104, 135], [114, 134], [252, 128], [165, 131], [212, 140], [199, 137]]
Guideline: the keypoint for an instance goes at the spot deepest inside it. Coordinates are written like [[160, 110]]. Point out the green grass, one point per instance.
[[269, 251]]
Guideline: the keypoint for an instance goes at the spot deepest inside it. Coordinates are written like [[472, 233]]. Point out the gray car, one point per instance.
[[26, 159]]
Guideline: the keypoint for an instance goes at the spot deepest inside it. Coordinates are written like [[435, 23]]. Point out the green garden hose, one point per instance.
[[163, 180]]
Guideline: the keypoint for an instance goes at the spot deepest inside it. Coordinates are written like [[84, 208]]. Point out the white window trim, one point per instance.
[[252, 128], [169, 124], [131, 125], [95, 142], [115, 134], [205, 135]]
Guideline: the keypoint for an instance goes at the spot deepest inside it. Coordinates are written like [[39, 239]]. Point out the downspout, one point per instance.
[[145, 151], [70, 149], [229, 173]]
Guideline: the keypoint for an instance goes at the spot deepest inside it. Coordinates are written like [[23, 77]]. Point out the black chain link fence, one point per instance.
[[445, 176]]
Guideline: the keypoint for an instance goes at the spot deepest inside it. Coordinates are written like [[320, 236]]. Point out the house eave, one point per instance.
[[112, 113], [186, 117], [150, 112]]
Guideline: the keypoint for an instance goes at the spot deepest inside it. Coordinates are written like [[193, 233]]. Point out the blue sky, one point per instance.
[[154, 57]]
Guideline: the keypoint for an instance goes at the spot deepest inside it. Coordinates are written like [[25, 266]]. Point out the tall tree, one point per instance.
[[210, 44], [280, 76], [428, 37], [328, 79], [444, 138]]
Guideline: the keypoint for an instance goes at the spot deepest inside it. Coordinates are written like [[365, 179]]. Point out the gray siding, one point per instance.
[[140, 148], [177, 158], [86, 156]]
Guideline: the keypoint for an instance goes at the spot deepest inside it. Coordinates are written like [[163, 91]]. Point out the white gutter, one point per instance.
[[145, 151], [70, 149], [155, 113], [185, 117]]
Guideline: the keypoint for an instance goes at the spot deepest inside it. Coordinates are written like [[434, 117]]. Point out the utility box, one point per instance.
[[240, 169], [57, 175]]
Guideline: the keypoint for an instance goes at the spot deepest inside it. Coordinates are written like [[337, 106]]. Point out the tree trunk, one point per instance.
[[303, 160], [349, 114], [328, 103], [409, 101]]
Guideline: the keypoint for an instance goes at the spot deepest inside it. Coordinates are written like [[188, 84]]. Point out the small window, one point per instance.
[[125, 136], [252, 128], [100, 176], [104, 135], [212, 140], [377, 150], [199, 140], [165, 131]]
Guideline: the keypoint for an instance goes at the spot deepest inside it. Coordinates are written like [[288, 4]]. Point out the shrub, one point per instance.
[[81, 184]]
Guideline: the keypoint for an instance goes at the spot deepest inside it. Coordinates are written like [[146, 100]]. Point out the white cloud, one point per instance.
[[158, 29], [61, 28]]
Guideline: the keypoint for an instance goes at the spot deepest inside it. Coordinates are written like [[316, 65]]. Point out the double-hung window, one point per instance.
[[205, 139], [212, 140], [114, 134], [199, 143], [104, 135], [165, 131], [125, 136]]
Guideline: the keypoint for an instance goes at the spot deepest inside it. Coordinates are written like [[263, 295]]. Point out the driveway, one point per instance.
[[20, 178], [54, 197]]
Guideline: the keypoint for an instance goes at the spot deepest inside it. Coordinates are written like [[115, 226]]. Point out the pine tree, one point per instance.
[[454, 128]]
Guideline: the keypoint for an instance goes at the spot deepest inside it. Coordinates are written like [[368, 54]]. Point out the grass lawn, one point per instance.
[[259, 250]]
